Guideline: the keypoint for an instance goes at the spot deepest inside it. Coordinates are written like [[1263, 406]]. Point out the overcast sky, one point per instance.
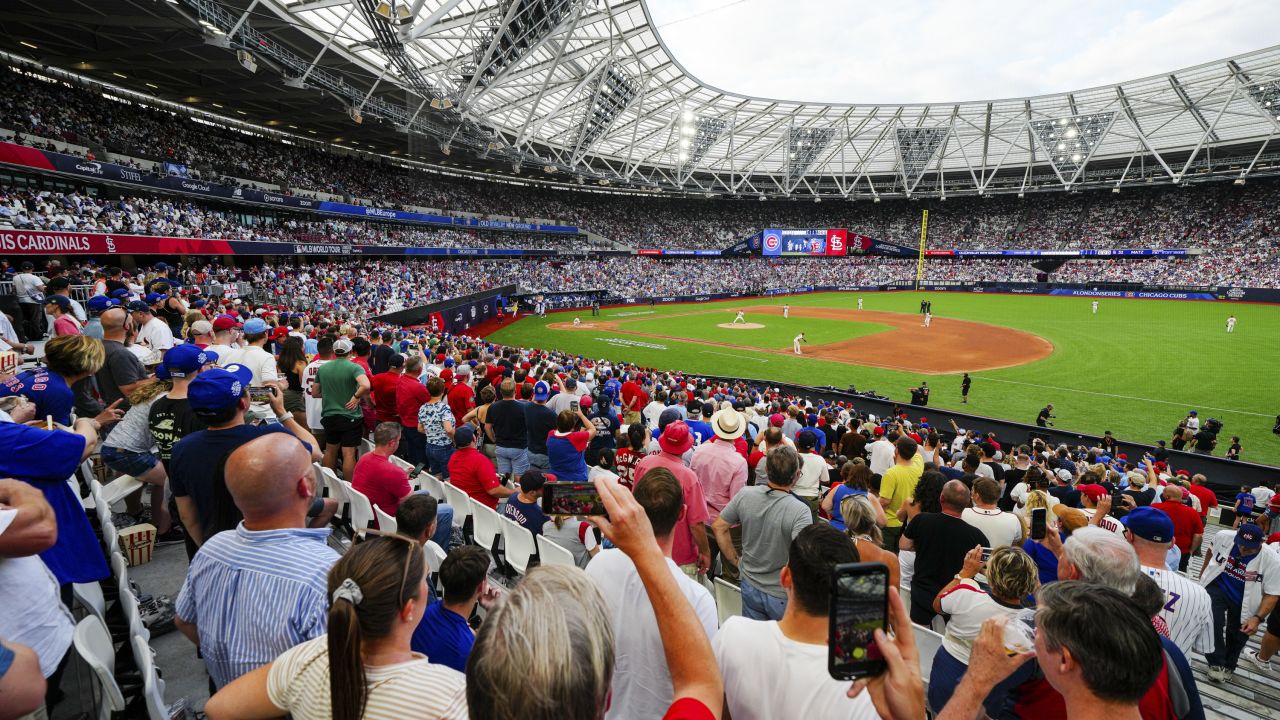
[[940, 51]]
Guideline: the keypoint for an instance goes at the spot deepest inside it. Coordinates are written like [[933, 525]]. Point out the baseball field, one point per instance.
[[1135, 368]]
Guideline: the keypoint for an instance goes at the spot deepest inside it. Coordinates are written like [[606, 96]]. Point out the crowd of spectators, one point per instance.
[[1006, 548], [1218, 217]]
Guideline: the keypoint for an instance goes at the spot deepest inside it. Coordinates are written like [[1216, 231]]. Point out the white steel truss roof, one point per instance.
[[537, 103]]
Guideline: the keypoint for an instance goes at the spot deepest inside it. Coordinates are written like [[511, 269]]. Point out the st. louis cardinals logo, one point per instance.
[[837, 244], [111, 244]]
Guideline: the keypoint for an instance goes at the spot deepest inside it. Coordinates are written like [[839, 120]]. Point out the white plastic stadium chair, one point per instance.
[[521, 547], [552, 553], [90, 597], [361, 508], [459, 501], [432, 485], [487, 528], [927, 644], [152, 685], [728, 599], [120, 488], [330, 480], [93, 643], [365, 446], [435, 555], [386, 523], [133, 614], [414, 482]]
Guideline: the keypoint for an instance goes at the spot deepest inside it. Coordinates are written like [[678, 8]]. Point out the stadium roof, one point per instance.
[[587, 89]]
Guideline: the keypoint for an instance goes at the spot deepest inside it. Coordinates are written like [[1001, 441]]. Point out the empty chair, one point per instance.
[[152, 685], [487, 528], [120, 488], [432, 485], [110, 536], [365, 446], [459, 501], [334, 485], [550, 553], [90, 597], [361, 508], [520, 545], [927, 644], [93, 643], [728, 599], [133, 613], [386, 523]]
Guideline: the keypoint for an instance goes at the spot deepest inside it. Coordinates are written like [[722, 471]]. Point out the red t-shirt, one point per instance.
[[384, 396], [631, 389], [364, 363], [1186, 523], [1207, 498], [1037, 699], [461, 399], [471, 472], [410, 396], [381, 481]]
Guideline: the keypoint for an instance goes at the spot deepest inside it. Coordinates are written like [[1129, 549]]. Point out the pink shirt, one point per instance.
[[722, 472], [683, 549], [381, 481], [65, 325]]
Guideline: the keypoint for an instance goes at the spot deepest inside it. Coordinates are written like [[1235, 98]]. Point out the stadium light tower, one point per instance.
[[916, 149], [803, 146], [697, 135], [614, 91], [1069, 142]]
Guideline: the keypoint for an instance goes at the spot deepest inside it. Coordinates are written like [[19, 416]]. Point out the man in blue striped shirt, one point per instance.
[[256, 591]]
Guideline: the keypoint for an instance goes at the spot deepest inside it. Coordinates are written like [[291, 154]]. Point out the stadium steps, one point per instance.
[[1249, 693]]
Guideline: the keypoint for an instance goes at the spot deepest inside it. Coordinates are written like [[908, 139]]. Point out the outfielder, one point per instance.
[[1231, 323], [1095, 307], [859, 303], [795, 343], [786, 311]]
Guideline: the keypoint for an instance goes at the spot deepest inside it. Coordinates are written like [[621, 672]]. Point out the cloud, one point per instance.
[[939, 52]]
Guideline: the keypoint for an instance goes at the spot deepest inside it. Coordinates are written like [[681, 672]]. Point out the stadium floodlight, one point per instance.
[[1266, 96], [614, 91], [803, 146], [704, 133], [523, 26], [916, 150], [397, 12], [1069, 142]]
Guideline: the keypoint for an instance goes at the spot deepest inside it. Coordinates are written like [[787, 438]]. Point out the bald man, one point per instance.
[[256, 591], [121, 372], [940, 541]]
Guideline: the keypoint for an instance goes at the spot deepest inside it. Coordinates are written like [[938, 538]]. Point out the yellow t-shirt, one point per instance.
[[898, 483]]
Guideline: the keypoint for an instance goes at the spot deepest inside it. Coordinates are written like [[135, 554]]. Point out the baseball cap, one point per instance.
[[253, 326], [806, 439], [695, 410], [541, 391], [1064, 474], [161, 265], [101, 303], [182, 360], [120, 293], [1093, 491], [201, 327], [878, 431], [225, 322], [1249, 536], [776, 420], [1152, 524], [667, 417], [342, 346], [463, 436], [61, 301], [676, 438], [217, 389], [139, 306], [728, 425], [396, 360], [279, 332], [153, 298], [584, 402]]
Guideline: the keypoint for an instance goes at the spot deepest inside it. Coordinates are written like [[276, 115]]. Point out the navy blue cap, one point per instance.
[[120, 293], [1149, 523], [139, 306], [153, 298], [60, 300], [463, 436], [1249, 536], [101, 303], [217, 389]]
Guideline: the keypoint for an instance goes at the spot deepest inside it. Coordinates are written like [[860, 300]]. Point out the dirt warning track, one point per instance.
[[947, 346]]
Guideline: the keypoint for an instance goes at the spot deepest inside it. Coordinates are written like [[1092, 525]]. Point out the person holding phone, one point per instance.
[[775, 668], [567, 445]]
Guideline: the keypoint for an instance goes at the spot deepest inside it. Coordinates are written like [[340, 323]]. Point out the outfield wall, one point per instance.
[[1225, 476]]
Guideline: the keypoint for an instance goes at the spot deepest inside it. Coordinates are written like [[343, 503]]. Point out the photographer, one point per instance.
[[568, 443]]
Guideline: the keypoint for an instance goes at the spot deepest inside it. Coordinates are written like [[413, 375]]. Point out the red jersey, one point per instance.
[[384, 396], [471, 472], [461, 399], [1207, 499], [410, 396], [1186, 523]]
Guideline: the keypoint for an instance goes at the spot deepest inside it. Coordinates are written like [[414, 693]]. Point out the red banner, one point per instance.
[[48, 242], [837, 242]]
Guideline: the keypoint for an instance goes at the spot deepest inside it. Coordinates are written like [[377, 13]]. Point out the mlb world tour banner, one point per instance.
[[48, 242], [71, 165]]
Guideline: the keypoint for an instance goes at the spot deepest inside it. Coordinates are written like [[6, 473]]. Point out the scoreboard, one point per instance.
[[808, 242]]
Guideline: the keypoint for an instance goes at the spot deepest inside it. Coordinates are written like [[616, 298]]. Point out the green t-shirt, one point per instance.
[[338, 384]]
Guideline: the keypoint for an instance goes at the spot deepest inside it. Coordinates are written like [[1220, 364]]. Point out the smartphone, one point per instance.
[[261, 394], [859, 605], [1117, 504], [571, 498], [574, 405], [1039, 525], [417, 470]]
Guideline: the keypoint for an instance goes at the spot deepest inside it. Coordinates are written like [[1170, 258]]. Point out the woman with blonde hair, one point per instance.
[[130, 449], [363, 667], [1011, 575], [862, 517]]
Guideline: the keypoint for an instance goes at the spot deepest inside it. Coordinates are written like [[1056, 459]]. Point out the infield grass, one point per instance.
[[1135, 368]]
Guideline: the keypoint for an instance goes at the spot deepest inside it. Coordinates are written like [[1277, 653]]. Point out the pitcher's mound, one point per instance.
[[740, 326]]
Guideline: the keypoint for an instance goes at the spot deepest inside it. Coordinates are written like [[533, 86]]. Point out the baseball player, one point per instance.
[[739, 318], [577, 322], [859, 303], [928, 318], [1095, 307], [786, 311], [795, 343], [1231, 323]]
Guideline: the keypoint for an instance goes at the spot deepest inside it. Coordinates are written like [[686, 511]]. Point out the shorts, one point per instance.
[[317, 507], [294, 401], [128, 463], [343, 430]]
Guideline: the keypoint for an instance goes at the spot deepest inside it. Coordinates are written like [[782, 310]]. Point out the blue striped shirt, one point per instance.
[[254, 594]]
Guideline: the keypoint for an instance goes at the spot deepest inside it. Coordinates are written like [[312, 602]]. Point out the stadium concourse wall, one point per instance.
[[1224, 476], [1258, 295]]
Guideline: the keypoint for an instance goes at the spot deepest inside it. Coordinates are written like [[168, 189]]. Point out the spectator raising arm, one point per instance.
[[694, 674]]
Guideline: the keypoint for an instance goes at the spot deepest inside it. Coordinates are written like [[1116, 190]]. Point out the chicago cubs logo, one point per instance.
[[771, 241]]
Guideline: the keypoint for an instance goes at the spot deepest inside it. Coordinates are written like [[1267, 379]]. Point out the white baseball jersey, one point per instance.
[[1187, 610]]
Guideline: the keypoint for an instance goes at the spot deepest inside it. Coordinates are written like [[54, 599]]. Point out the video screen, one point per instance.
[[571, 499], [859, 611]]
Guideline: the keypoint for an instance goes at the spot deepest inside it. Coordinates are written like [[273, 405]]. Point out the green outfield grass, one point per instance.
[[1135, 368]]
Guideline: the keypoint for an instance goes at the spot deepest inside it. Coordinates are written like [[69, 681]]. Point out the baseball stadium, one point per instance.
[[329, 327]]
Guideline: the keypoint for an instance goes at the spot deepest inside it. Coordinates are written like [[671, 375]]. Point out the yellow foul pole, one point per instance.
[[924, 232]]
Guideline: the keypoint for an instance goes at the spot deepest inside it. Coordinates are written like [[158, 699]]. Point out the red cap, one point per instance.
[[676, 438], [1183, 473], [225, 322], [584, 401], [446, 374], [1092, 491], [916, 437], [776, 420], [878, 431], [1122, 456], [279, 332]]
